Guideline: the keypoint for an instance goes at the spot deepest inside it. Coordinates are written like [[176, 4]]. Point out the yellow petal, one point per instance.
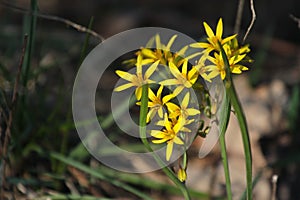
[[150, 115], [155, 132], [212, 59], [167, 123], [213, 74], [139, 60], [174, 70], [197, 45], [150, 104], [159, 141], [193, 55], [167, 98], [227, 39], [185, 101], [223, 74], [177, 140], [138, 93], [236, 70], [187, 84], [160, 123], [244, 68], [182, 51], [169, 82], [192, 74], [239, 58], [177, 90], [210, 68], [205, 77], [150, 70], [169, 150], [123, 87], [149, 81], [178, 125], [184, 129], [184, 68], [219, 31], [192, 111], [125, 75], [159, 91], [157, 41], [160, 112], [160, 135], [171, 41], [208, 30], [203, 45], [147, 61], [151, 95], [148, 53], [172, 107], [173, 115]]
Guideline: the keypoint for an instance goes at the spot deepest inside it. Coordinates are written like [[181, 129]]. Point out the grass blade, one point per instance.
[[225, 116], [230, 90], [99, 175]]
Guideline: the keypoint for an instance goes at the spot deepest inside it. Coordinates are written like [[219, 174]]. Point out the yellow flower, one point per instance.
[[181, 174], [218, 66], [174, 120], [184, 79], [182, 110], [137, 80], [156, 103], [235, 49], [202, 69], [213, 39], [162, 52], [168, 135]]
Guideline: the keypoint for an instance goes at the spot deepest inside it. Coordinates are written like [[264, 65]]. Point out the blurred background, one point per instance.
[[42, 117]]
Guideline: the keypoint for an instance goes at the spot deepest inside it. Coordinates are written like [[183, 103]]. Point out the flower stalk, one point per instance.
[[230, 90], [143, 123]]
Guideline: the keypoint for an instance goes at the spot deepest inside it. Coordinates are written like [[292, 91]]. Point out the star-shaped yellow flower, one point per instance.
[[218, 66], [162, 52], [156, 103], [182, 110], [202, 69], [169, 135], [184, 79], [213, 39], [137, 80]]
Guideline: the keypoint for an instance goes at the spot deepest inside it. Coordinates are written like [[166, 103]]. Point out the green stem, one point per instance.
[[230, 90], [225, 115], [166, 170], [225, 165], [30, 30]]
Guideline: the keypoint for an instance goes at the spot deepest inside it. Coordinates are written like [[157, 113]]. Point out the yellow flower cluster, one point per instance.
[[234, 52], [173, 114]]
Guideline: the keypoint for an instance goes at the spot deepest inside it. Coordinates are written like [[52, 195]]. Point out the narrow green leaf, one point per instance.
[[99, 175], [224, 119], [230, 90]]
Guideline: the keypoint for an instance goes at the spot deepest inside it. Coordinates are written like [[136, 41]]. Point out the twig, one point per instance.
[[252, 20], [297, 20], [274, 186], [76, 26], [7, 135], [239, 15]]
